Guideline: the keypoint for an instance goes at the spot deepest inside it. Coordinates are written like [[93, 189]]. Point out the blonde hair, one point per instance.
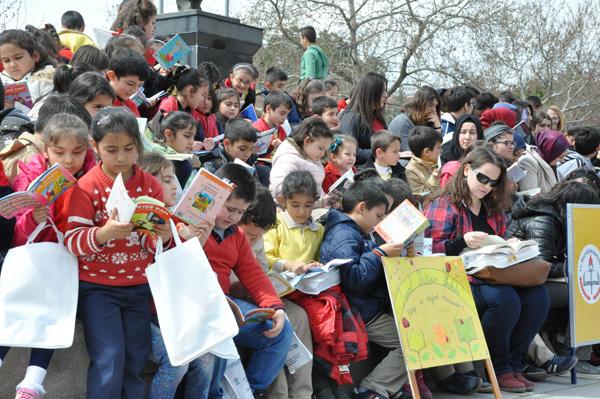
[[561, 124], [154, 163], [65, 125]]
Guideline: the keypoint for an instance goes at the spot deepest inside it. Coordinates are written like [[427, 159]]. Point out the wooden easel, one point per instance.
[[412, 378]]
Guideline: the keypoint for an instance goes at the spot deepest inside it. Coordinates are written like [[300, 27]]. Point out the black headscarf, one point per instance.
[[451, 150]]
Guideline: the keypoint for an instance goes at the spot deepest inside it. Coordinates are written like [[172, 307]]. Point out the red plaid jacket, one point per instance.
[[448, 221]]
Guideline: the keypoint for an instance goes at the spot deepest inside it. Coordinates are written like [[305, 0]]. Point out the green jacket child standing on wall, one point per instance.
[[314, 61]]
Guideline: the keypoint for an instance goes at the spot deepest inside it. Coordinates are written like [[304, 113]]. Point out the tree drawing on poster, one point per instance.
[[434, 310]]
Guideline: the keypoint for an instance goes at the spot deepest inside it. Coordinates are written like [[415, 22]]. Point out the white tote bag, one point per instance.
[[39, 287], [193, 313]]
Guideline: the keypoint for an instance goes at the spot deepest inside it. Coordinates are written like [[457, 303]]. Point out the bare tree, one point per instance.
[[9, 12]]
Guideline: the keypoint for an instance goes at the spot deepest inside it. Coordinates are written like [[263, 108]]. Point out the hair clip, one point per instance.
[[337, 141], [103, 120]]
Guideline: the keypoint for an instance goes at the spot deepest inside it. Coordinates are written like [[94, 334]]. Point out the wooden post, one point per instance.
[[492, 377], [412, 378]]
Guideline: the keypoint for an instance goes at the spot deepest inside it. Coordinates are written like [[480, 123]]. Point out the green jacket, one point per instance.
[[314, 63]]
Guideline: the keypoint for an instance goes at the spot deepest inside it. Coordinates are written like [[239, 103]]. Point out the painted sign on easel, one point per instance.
[[583, 254], [435, 313]]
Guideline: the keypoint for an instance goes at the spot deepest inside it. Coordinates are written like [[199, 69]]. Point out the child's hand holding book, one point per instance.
[[392, 250], [40, 213], [298, 267], [278, 320], [163, 231], [113, 229]]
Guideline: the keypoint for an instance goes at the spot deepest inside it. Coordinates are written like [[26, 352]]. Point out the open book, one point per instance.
[[254, 316], [144, 212], [316, 280], [402, 224], [203, 198], [42, 191], [264, 141], [499, 253], [249, 113], [139, 98], [515, 173]]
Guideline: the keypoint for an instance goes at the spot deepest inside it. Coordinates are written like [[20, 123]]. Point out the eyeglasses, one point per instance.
[[483, 179], [508, 143]]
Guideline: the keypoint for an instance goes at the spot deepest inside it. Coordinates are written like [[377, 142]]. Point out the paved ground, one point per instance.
[[554, 387]]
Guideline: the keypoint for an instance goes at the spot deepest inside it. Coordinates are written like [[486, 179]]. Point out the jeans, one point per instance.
[[116, 323], [200, 382], [39, 357], [269, 354], [510, 317]]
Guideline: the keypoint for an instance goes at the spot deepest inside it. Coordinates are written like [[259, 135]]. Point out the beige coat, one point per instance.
[[421, 179], [538, 172]]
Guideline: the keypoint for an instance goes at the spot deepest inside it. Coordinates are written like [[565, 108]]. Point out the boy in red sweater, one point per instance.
[[127, 72], [277, 107], [228, 250]]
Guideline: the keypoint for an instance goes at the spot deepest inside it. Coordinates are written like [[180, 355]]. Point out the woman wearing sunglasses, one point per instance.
[[474, 206], [539, 162]]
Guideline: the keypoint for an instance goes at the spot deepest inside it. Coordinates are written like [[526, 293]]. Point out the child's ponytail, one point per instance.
[[313, 128]]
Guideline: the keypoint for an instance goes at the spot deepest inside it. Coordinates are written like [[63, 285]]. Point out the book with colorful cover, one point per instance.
[[18, 93], [42, 191], [139, 98], [203, 199], [264, 141], [403, 224], [257, 315], [172, 52], [149, 213]]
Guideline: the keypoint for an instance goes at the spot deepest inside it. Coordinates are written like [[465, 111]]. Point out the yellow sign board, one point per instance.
[[434, 310], [584, 273]]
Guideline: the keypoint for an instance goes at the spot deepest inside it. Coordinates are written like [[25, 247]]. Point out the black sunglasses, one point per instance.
[[483, 179]]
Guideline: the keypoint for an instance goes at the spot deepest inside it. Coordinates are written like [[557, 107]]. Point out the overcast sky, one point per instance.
[[96, 12]]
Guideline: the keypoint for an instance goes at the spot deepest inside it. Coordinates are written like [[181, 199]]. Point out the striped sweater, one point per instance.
[[119, 262]]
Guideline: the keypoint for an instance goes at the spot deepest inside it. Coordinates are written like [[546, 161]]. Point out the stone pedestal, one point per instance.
[[222, 40]]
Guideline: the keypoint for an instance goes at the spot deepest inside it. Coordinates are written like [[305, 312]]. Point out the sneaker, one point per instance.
[[27, 393], [260, 394], [460, 383], [424, 390], [560, 364], [587, 370], [530, 386], [534, 373], [484, 386], [508, 383], [367, 394]]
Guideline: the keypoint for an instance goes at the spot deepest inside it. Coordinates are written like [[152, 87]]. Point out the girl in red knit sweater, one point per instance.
[[114, 296], [66, 143]]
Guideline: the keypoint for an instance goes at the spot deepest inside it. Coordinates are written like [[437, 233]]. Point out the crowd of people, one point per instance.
[[449, 151]]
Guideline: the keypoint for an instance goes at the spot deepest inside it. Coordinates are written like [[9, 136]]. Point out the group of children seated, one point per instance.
[[84, 118]]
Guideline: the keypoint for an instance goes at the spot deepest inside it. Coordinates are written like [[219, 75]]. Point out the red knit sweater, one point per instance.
[[117, 262], [234, 253]]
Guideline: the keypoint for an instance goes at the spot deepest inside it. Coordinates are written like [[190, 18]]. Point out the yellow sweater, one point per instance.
[[73, 39], [291, 241]]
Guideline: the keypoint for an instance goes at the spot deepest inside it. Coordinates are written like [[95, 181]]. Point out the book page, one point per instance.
[[264, 141], [298, 355], [18, 93], [119, 199], [11, 204], [402, 224]]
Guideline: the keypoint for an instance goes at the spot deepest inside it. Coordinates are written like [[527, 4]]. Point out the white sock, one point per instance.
[[34, 378], [0, 362]]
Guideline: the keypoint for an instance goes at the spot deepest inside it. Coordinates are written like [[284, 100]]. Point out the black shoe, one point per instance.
[[534, 373], [260, 394], [340, 392], [462, 384], [485, 386]]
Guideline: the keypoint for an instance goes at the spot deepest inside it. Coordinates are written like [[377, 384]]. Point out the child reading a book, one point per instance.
[[240, 79], [294, 244], [27, 145], [127, 72], [342, 157], [385, 156], [259, 218], [422, 169], [228, 250], [208, 117], [113, 291], [228, 107], [25, 60], [65, 143], [303, 151], [163, 170], [277, 107], [177, 131], [346, 237], [326, 108], [92, 91], [276, 80]]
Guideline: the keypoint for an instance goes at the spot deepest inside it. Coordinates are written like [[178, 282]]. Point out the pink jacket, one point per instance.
[[28, 172], [287, 159]]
